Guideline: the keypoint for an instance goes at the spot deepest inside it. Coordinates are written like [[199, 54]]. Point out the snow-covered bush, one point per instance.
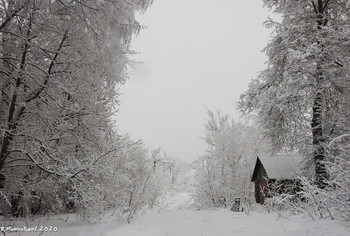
[[332, 201], [128, 181]]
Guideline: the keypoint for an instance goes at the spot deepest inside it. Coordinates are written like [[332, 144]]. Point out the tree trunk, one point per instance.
[[317, 121], [317, 141], [5, 86]]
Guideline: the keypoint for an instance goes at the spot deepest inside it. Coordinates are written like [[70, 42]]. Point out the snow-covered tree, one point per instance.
[[302, 98], [61, 63], [224, 171]]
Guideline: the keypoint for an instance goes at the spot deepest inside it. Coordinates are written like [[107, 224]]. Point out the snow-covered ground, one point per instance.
[[224, 222], [174, 218]]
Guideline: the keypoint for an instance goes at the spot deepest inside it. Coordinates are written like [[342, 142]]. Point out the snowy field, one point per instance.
[[173, 218]]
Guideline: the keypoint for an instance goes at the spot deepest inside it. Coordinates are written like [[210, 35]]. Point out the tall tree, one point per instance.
[[302, 97], [222, 172]]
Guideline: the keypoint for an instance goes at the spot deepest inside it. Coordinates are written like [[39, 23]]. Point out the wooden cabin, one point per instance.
[[282, 168]]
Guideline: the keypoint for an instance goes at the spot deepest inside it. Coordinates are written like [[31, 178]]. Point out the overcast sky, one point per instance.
[[195, 54]]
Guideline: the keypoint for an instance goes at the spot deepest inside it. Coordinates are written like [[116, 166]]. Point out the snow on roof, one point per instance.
[[282, 166]]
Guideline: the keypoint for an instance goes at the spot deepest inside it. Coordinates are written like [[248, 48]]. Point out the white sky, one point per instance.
[[195, 54]]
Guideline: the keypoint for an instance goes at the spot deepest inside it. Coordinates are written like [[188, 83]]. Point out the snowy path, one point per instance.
[[221, 222], [174, 219]]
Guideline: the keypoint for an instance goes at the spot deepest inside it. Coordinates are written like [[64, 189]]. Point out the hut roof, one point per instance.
[[280, 166]]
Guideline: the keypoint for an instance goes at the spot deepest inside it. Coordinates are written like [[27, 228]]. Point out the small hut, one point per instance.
[[281, 168]]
